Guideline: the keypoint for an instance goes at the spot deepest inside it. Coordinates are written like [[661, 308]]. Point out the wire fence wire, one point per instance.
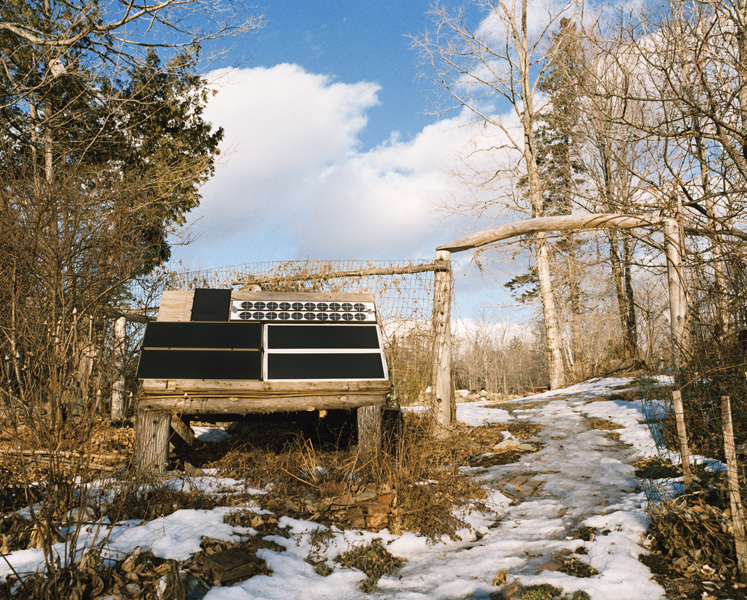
[[404, 303]]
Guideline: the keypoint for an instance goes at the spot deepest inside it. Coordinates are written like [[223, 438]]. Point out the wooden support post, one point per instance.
[[442, 397], [182, 435], [735, 500], [369, 429], [118, 387], [677, 292], [679, 415], [152, 431]]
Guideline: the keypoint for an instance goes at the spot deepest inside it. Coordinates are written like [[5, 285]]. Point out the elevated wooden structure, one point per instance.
[[232, 353]]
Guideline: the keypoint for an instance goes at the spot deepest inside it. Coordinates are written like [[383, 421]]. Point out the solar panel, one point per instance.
[[276, 338]]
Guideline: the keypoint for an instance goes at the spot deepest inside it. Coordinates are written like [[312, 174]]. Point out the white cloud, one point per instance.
[[294, 183]]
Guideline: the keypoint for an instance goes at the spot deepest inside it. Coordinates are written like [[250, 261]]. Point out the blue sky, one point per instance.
[[353, 41], [330, 150]]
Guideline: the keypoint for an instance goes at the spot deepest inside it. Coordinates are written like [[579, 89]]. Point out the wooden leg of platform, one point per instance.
[[369, 429], [182, 435], [152, 431]]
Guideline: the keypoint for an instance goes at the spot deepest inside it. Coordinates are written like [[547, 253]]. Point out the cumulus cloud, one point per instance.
[[294, 183]]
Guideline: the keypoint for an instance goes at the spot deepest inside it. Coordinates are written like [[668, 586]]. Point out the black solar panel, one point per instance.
[[211, 305], [321, 336], [162, 334], [325, 366], [200, 364]]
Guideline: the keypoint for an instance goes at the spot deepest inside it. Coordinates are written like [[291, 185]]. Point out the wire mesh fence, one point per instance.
[[694, 509], [403, 291]]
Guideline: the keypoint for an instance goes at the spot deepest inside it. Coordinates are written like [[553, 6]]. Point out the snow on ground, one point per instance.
[[580, 477]]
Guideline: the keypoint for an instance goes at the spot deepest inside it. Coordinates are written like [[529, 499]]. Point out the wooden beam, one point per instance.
[[442, 399], [547, 224], [369, 429], [182, 434], [262, 389], [243, 406], [152, 441]]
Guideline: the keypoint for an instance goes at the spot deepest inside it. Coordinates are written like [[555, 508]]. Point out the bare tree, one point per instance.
[[503, 61]]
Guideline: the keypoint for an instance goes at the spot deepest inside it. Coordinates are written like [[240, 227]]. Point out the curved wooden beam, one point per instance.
[[559, 223]]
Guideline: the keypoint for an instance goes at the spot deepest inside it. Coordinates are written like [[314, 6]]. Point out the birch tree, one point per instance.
[[500, 64]]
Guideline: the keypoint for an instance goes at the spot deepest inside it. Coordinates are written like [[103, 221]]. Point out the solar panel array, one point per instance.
[[295, 311]]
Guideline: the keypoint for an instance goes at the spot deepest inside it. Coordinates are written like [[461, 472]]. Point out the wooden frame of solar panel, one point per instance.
[[360, 387]]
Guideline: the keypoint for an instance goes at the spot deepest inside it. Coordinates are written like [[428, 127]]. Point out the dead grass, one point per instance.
[[602, 424], [412, 487], [374, 560]]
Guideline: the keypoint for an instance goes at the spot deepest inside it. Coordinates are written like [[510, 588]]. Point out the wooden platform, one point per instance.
[[168, 405]]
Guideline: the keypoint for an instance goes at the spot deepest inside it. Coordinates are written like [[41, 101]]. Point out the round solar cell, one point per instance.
[[360, 316], [247, 305], [347, 307], [309, 316], [309, 306], [322, 316], [284, 316], [347, 316], [245, 316], [297, 316], [271, 316], [259, 306], [359, 307], [322, 306], [297, 306], [335, 317], [286, 306], [272, 306], [334, 306], [259, 316]]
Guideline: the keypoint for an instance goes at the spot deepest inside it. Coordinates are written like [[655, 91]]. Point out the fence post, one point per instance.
[[735, 500], [442, 398], [679, 415], [118, 387]]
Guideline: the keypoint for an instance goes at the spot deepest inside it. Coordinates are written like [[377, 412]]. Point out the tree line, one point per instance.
[[607, 109], [103, 148]]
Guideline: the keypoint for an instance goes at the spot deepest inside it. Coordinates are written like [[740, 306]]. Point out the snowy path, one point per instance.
[[581, 477]]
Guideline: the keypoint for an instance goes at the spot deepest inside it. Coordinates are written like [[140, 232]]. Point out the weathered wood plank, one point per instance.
[[176, 305], [442, 399], [229, 566], [369, 429], [245, 406], [182, 435], [152, 441], [246, 387]]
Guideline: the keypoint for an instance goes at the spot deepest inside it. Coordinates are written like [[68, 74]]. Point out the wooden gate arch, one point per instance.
[[442, 402]]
